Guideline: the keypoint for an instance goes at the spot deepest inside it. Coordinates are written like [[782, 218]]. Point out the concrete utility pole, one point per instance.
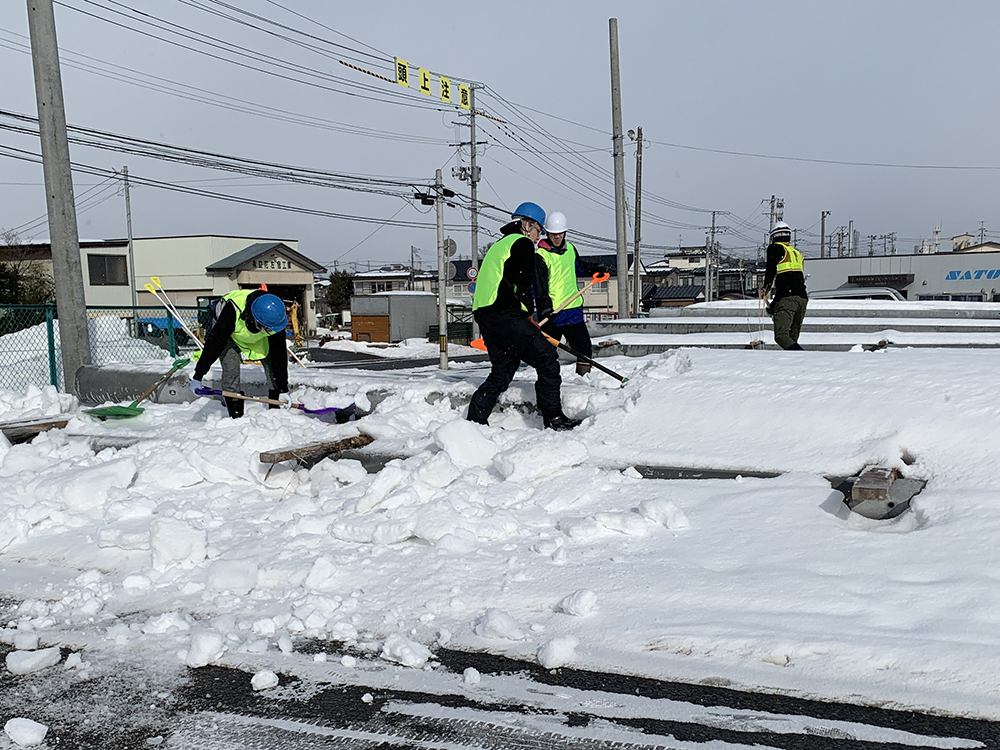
[[636, 278], [708, 262], [67, 270], [850, 238], [442, 263], [131, 255], [473, 182], [621, 242], [822, 231]]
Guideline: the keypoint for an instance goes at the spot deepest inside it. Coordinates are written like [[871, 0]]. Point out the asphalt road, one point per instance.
[[130, 703]]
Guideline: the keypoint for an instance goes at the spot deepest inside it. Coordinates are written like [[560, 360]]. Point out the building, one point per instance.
[[192, 270], [600, 302], [970, 273]]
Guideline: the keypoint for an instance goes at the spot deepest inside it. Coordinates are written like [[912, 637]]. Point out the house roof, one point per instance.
[[591, 264], [659, 293], [258, 249]]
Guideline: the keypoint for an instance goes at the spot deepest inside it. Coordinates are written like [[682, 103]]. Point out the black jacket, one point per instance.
[[788, 284], [222, 330], [518, 275]]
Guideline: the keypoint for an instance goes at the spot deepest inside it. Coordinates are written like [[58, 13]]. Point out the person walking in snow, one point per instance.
[[555, 282], [502, 306], [247, 323], [785, 274]]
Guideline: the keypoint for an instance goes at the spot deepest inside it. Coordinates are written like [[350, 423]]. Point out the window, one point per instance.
[[381, 286], [107, 270], [600, 286]]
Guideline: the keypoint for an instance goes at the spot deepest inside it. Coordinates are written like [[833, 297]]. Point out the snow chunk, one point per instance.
[[322, 576], [26, 662], [400, 649], [25, 641], [495, 623], [25, 732], [265, 679], [664, 512], [206, 647], [175, 542], [558, 652], [238, 577], [136, 584], [579, 604], [465, 444], [540, 458], [472, 676]]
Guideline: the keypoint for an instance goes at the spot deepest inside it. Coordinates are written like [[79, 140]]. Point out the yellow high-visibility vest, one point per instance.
[[792, 261]]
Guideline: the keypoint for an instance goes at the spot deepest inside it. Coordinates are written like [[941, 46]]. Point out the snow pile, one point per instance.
[[536, 544]]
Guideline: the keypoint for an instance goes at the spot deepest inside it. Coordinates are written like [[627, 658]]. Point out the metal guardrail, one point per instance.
[[30, 348]]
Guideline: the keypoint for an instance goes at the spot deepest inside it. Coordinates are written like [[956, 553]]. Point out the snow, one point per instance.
[[265, 679], [25, 732], [406, 349], [537, 545], [26, 662]]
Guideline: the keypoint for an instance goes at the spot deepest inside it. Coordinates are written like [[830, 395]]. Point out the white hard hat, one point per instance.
[[781, 227], [556, 223]]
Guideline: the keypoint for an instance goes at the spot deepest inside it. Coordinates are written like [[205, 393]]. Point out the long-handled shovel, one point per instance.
[[329, 414], [597, 278], [594, 362], [171, 310], [133, 409]]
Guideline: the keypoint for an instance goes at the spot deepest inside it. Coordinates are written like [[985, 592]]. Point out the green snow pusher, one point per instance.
[[133, 409]]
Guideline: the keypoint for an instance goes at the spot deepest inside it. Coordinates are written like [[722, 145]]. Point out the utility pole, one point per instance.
[[413, 252], [822, 231], [131, 255], [982, 232], [636, 279], [619, 156], [770, 227], [850, 238], [708, 262], [64, 238], [474, 182], [442, 263]]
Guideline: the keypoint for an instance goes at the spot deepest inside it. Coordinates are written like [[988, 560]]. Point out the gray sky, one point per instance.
[[901, 83]]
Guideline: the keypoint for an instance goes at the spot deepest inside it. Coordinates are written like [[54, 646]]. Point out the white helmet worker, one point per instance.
[[555, 223], [781, 232]]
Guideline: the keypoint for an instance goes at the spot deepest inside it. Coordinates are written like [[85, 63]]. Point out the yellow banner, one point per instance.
[[402, 73], [463, 97], [424, 78], [445, 89]]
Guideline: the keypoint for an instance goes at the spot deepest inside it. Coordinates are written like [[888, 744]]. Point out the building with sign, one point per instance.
[[191, 269], [970, 273]]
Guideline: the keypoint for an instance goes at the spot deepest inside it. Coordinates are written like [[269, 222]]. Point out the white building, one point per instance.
[[970, 273], [191, 269]]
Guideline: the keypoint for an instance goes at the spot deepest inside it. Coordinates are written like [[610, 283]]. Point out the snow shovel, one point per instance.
[[329, 414], [593, 362], [133, 409], [597, 278]]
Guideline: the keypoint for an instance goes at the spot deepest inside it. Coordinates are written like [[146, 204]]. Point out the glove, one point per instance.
[[195, 387], [286, 399], [545, 315]]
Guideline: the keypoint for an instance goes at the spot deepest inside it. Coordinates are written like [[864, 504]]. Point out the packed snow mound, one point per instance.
[[510, 537]]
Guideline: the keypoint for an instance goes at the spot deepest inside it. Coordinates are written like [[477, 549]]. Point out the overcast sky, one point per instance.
[[853, 83]]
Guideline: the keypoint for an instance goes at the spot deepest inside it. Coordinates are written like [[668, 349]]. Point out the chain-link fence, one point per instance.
[[31, 352]]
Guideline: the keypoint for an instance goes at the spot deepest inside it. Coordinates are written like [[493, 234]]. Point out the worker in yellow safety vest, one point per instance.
[[502, 306], [247, 323], [784, 274], [555, 282]]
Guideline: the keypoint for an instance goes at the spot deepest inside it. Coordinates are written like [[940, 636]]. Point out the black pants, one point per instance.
[[511, 338], [576, 335]]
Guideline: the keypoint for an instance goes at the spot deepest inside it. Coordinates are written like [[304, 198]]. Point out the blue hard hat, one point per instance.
[[269, 312], [530, 211]]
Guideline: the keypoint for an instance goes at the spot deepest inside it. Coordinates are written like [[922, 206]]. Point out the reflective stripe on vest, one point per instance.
[[491, 272], [253, 345], [792, 260], [562, 276]]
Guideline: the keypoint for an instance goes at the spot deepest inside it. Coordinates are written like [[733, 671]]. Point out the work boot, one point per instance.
[[561, 422], [235, 406], [582, 368]]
